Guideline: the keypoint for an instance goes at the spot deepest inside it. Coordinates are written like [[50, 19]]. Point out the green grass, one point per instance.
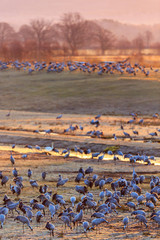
[[79, 92]]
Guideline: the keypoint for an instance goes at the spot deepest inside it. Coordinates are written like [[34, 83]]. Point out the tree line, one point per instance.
[[41, 39]]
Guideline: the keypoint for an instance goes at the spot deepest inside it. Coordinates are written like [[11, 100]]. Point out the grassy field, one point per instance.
[[79, 92]]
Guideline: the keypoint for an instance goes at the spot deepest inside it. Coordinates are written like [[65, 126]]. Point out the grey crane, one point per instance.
[[29, 173], [85, 226], [97, 221], [33, 183], [62, 182], [52, 210], [29, 214], [125, 222], [38, 216], [78, 217], [44, 175], [73, 200], [2, 219], [51, 228], [142, 219], [23, 220], [4, 180], [12, 159], [66, 221], [39, 206], [81, 189]]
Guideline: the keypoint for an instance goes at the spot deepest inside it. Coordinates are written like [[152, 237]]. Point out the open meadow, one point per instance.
[[35, 134]]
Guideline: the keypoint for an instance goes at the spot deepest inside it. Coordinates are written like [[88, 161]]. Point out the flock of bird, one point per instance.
[[103, 67], [106, 198]]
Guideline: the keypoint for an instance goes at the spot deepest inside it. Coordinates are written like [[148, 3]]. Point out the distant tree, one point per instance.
[[73, 31], [123, 43], [16, 50], [148, 38], [138, 43], [103, 37], [6, 33], [41, 32]]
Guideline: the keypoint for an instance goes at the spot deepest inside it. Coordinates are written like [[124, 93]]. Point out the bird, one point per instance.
[[78, 217], [52, 210], [29, 214], [23, 220], [98, 221], [66, 221], [12, 159], [44, 175], [62, 182], [29, 173], [51, 228], [85, 226], [59, 116], [142, 219], [125, 222], [38, 216], [33, 183], [73, 199], [15, 172], [4, 180], [2, 219]]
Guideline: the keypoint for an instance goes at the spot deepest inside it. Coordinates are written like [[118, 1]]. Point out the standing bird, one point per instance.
[[4, 180], [38, 216], [44, 175], [73, 199], [12, 159], [66, 221], [2, 219], [62, 182], [85, 226], [15, 172], [78, 217], [29, 173], [23, 220], [51, 228], [125, 222], [52, 210], [97, 221]]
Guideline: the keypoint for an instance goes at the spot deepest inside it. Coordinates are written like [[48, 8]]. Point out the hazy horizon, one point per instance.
[[20, 12]]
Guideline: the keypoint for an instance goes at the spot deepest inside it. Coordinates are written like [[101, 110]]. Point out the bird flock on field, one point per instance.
[[97, 201], [105, 67]]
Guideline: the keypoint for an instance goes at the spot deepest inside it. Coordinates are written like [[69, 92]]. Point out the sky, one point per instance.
[[18, 12]]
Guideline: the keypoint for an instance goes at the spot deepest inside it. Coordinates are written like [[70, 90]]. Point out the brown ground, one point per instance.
[[18, 128]]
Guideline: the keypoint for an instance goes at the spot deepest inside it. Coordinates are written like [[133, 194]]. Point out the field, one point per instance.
[[33, 103], [79, 92]]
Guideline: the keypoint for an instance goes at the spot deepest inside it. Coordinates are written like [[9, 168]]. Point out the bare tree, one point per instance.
[[103, 37], [148, 38], [73, 31], [6, 33], [16, 50], [138, 43], [41, 32]]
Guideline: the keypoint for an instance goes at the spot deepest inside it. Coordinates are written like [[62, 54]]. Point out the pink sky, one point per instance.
[[18, 12]]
